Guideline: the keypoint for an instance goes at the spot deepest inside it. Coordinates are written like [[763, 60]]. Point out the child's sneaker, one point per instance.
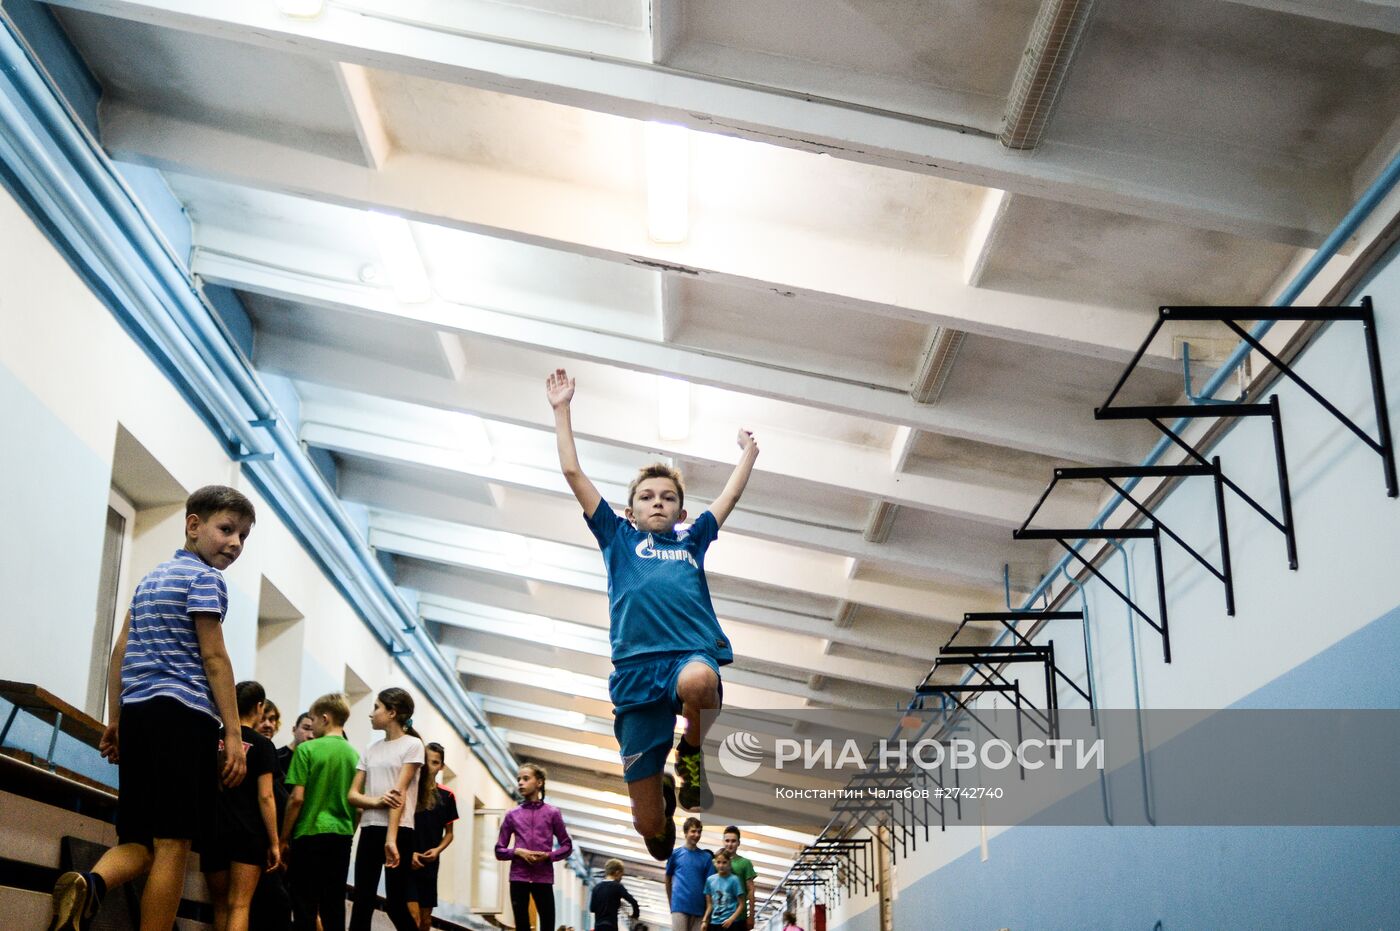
[[695, 794], [74, 903]]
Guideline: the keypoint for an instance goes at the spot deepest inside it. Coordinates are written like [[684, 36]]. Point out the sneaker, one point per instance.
[[74, 903], [661, 845], [694, 794]]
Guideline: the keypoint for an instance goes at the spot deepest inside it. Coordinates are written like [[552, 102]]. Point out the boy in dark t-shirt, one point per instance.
[[244, 840], [608, 897]]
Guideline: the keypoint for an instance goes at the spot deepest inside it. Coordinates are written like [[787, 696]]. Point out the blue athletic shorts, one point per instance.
[[645, 705]]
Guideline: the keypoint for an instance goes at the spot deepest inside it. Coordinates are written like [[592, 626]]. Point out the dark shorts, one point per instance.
[[215, 855], [645, 705], [168, 770], [423, 885]]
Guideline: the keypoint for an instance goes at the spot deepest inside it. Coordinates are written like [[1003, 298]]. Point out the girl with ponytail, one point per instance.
[[387, 788]]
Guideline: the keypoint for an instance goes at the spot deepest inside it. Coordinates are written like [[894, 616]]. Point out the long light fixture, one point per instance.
[[403, 263], [474, 441], [672, 408], [668, 182], [301, 9]]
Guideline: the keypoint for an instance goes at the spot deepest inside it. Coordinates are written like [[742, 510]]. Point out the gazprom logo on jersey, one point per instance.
[[647, 550], [741, 754]]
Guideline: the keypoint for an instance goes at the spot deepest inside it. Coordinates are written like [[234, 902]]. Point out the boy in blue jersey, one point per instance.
[[170, 688], [667, 645]]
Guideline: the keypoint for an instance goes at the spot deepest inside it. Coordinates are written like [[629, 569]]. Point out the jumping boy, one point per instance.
[[171, 686], [320, 823], [667, 645]]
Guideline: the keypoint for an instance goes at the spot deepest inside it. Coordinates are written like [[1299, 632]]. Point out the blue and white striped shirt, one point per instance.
[[162, 650]]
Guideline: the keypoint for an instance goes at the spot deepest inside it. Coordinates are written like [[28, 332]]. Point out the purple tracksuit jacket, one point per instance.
[[535, 826]]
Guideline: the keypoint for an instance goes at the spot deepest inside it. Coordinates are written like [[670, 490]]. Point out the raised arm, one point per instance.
[[560, 388], [738, 479]]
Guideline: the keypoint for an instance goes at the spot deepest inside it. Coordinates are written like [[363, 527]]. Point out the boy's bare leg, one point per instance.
[[218, 897], [698, 688], [164, 885], [648, 807], [243, 882], [123, 863]]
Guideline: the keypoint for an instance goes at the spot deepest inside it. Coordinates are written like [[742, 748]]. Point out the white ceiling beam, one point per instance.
[[739, 251], [981, 238], [1213, 196], [364, 113], [566, 558], [796, 651], [517, 398], [1037, 425], [1381, 15], [960, 561], [914, 639], [545, 714]]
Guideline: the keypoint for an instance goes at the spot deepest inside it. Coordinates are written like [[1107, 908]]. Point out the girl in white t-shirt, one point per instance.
[[386, 788]]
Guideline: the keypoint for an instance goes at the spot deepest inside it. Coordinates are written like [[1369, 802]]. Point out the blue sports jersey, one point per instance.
[[658, 601], [688, 869]]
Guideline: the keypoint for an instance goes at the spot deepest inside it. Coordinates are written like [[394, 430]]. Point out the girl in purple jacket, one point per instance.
[[536, 826]]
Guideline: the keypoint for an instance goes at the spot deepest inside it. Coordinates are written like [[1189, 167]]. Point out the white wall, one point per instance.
[[1348, 540], [68, 375]]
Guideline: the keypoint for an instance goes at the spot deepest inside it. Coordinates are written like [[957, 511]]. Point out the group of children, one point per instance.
[[187, 783], [173, 688], [709, 891]]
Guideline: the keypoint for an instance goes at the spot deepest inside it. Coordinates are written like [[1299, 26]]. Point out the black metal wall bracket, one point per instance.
[[1009, 619]]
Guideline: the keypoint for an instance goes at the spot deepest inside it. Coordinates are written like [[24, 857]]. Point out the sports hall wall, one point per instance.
[[1324, 636], [86, 413]]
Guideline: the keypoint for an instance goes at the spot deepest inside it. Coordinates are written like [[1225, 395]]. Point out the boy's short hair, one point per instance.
[[721, 855], [657, 470], [613, 868], [732, 830], [250, 695], [211, 499], [690, 823], [333, 706]]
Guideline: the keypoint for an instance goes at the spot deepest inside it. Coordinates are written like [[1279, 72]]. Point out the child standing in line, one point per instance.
[[320, 823], [741, 867], [723, 893], [667, 645], [687, 869], [386, 788], [432, 834], [535, 827], [171, 685], [790, 921], [608, 897], [244, 839]]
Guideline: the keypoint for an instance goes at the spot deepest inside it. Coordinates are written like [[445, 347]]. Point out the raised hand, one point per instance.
[[746, 439], [560, 388]]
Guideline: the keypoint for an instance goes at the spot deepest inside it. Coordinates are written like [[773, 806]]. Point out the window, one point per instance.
[[113, 599]]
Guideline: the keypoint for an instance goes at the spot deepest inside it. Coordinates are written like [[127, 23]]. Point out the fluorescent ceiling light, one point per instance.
[[400, 257], [473, 441], [672, 408], [668, 182], [301, 9]]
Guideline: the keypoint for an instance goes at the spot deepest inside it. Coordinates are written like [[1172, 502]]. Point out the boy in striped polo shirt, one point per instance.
[[170, 688]]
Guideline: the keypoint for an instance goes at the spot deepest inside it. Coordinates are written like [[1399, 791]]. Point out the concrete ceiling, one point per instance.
[[849, 208]]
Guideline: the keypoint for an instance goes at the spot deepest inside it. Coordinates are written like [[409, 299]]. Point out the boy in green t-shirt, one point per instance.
[[320, 823], [741, 867]]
